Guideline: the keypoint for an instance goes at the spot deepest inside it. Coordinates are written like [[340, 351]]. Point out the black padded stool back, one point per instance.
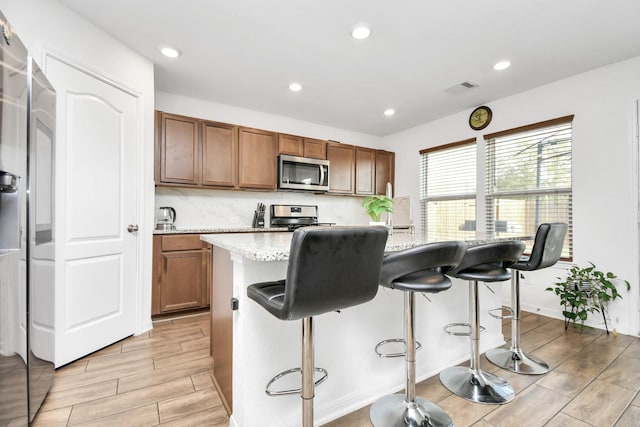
[[547, 247], [418, 269], [546, 251], [422, 268], [489, 262], [331, 268]]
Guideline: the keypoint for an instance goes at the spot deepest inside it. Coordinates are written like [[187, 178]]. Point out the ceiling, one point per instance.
[[245, 53]]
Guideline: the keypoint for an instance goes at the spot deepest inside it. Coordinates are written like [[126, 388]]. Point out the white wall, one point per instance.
[[604, 179], [47, 26]]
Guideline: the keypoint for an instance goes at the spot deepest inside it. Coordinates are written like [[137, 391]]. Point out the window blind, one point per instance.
[[528, 181], [448, 191]]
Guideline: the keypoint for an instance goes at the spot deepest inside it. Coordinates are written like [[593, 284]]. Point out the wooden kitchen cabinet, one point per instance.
[[302, 147], [192, 152], [342, 166], [291, 145], [181, 273], [221, 333], [258, 151], [385, 170], [219, 154], [178, 152], [365, 171], [208, 273], [315, 148], [202, 153]]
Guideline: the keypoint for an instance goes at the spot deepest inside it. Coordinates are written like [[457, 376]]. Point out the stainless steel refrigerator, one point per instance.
[[27, 135]]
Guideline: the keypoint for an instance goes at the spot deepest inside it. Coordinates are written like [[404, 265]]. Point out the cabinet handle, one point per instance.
[[234, 304]]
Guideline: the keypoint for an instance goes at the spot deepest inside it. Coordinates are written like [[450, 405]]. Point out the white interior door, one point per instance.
[[96, 184]]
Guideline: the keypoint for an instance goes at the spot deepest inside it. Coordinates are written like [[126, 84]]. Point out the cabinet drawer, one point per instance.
[[181, 242]]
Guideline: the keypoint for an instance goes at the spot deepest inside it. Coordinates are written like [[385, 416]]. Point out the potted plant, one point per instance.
[[374, 206], [586, 290]]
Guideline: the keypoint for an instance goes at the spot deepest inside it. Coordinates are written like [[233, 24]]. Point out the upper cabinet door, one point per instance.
[[341, 168], [365, 170], [385, 170], [315, 148], [290, 144], [258, 152], [219, 154], [178, 146]]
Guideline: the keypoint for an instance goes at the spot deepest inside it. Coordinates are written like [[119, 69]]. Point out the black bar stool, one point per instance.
[[486, 263], [419, 269], [330, 268], [546, 251]]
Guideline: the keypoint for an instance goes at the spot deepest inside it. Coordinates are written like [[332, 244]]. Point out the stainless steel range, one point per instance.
[[294, 216]]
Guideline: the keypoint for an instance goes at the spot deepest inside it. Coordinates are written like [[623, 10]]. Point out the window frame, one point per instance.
[[481, 194], [425, 198], [568, 191]]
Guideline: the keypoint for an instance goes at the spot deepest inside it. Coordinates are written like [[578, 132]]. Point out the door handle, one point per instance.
[[132, 228]]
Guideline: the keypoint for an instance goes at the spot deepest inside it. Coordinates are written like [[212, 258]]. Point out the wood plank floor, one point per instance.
[[594, 381], [163, 377]]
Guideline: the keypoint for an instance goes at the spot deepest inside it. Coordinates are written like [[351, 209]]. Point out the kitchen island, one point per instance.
[[249, 346]]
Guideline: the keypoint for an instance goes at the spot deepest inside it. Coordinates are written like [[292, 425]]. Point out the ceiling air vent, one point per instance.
[[460, 88]]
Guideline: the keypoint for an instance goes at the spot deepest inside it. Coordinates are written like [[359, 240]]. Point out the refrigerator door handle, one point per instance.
[[8, 182]]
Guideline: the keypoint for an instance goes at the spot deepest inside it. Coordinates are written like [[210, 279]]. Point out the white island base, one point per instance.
[[344, 342]]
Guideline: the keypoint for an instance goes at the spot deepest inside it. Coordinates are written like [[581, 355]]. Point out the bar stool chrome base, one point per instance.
[[477, 385], [316, 382], [394, 411], [397, 354], [515, 360]]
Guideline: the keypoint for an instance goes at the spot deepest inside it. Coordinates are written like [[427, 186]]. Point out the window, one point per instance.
[[525, 181], [448, 191], [528, 179]]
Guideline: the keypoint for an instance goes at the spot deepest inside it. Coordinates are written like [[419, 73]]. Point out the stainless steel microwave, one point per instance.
[[301, 173]]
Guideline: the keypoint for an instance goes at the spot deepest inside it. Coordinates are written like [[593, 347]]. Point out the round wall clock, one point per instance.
[[480, 118]]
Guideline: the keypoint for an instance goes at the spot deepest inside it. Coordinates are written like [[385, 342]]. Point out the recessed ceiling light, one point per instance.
[[295, 87], [360, 32], [389, 112], [171, 52], [502, 65]]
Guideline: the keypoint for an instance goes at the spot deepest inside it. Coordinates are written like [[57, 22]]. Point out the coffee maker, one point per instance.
[[166, 218]]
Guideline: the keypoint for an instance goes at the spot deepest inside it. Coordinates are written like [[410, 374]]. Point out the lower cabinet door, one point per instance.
[[182, 280]]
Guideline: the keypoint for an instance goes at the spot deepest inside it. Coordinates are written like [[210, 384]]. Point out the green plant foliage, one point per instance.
[[374, 206], [586, 290]]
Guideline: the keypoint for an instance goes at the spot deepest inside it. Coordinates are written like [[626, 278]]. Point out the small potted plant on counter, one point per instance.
[[374, 206], [586, 290]]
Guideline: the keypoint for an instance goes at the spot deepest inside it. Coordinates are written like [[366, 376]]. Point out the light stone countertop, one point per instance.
[[204, 230], [275, 246]]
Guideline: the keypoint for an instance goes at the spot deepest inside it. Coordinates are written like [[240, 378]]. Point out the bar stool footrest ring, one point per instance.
[[494, 313], [270, 392], [450, 329], [394, 340]]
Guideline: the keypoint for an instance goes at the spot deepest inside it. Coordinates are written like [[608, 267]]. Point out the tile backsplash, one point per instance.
[[199, 208]]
